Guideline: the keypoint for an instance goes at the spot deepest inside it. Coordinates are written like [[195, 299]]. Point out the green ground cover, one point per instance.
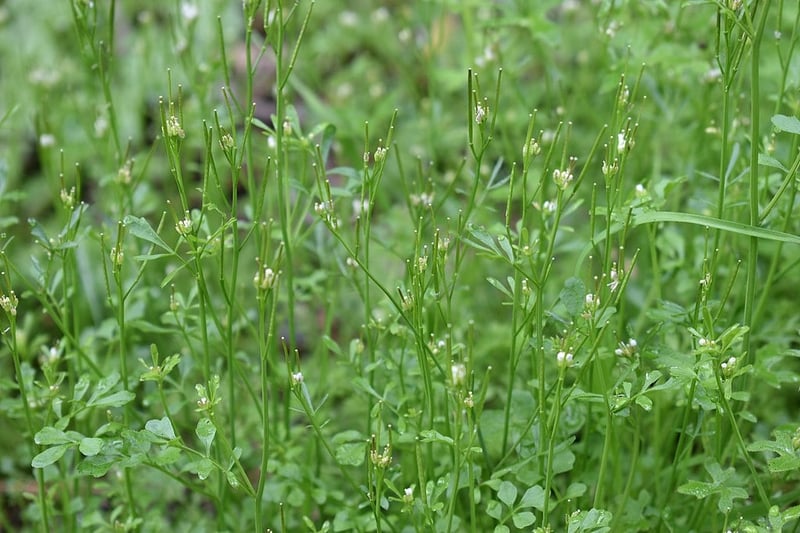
[[399, 266]]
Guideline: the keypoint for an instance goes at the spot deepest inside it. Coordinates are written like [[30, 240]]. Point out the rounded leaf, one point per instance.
[[507, 493], [90, 446]]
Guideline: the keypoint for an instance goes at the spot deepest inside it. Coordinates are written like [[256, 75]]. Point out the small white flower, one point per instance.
[[422, 263], [117, 256], [348, 19], [564, 359], [609, 169], [68, 198], [480, 113], [626, 349], [297, 378], [189, 11], [226, 142], [8, 302], [621, 142], [265, 279], [614, 275], [469, 401], [531, 149], [184, 226], [380, 15], [174, 128], [458, 373], [47, 140]]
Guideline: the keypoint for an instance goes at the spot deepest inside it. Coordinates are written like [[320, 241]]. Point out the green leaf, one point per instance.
[[597, 520], [784, 463], [644, 402], [786, 123], [501, 529], [769, 161], [576, 490], [118, 399], [533, 497], [202, 468], [91, 446], [430, 435], [573, 296], [727, 495], [651, 217], [698, 489], [167, 456], [162, 428], [494, 509], [233, 481], [140, 228], [206, 431], [351, 453], [523, 519], [507, 493], [497, 246], [49, 456], [96, 465], [48, 436]]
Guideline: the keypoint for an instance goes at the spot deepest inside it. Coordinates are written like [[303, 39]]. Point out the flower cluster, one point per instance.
[[184, 226], [728, 367], [117, 256], [627, 349], [68, 198], [563, 177], [265, 278], [8, 302], [481, 112], [564, 359], [531, 149], [174, 128], [424, 199], [458, 373], [380, 459]]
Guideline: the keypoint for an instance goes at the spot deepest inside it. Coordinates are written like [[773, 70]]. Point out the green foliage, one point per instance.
[[425, 266]]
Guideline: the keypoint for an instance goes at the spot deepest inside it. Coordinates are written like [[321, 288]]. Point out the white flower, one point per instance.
[[189, 11], [564, 359], [297, 378], [174, 128], [8, 302], [458, 373], [184, 227], [531, 149], [480, 113], [265, 279], [627, 349], [621, 143], [46, 140]]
